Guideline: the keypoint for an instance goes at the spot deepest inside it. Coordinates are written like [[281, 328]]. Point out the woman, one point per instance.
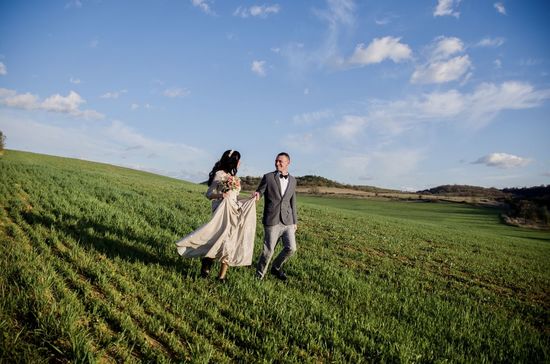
[[229, 235]]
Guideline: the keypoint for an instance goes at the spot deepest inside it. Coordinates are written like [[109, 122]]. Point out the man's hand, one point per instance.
[[256, 195]]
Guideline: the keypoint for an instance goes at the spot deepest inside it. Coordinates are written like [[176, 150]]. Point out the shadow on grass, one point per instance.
[[105, 239]]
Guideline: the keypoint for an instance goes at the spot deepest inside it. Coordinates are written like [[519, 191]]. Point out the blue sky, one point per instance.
[[397, 94]]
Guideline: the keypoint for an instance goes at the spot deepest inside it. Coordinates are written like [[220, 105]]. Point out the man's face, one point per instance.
[[281, 163]]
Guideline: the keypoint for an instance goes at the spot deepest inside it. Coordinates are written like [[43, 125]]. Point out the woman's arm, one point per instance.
[[213, 193]]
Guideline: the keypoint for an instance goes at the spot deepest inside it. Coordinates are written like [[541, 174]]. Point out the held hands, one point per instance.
[[256, 195]]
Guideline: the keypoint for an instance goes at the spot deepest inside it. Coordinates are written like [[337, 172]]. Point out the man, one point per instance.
[[280, 217]]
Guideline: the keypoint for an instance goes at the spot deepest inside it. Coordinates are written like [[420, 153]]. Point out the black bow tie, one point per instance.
[[283, 176]]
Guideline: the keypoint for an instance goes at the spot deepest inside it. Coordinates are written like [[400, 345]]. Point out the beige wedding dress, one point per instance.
[[229, 235]]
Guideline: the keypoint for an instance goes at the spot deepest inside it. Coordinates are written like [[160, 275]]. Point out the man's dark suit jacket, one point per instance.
[[277, 208]]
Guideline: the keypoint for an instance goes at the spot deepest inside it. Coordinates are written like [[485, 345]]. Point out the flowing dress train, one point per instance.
[[228, 236]]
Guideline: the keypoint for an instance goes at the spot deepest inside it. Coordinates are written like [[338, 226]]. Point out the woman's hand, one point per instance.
[[256, 195]]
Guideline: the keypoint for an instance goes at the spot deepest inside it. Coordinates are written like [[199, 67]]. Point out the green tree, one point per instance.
[[2, 142]]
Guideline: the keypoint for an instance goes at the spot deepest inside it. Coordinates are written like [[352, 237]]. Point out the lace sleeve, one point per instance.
[[213, 188]]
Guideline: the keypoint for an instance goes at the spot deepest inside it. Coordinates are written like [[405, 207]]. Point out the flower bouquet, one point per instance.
[[231, 183]]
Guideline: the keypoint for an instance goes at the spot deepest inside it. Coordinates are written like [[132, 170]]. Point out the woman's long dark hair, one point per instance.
[[227, 163]]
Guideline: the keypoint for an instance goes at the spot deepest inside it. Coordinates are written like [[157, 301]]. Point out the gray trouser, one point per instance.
[[271, 237]]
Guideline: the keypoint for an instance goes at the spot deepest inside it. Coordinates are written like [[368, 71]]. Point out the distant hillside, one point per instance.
[[250, 183], [527, 206], [464, 190]]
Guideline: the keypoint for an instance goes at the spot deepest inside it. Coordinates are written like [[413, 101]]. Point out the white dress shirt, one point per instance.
[[284, 183]]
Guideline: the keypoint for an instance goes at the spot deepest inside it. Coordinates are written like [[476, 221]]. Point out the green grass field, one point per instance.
[[89, 273]]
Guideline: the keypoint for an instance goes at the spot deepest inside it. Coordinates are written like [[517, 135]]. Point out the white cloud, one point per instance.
[[350, 126], [339, 12], [258, 67], [3, 69], [446, 47], [447, 8], [69, 104], [440, 68], [497, 63], [261, 11], [4, 92], [379, 50], [74, 81], [500, 8], [475, 109], [134, 106], [491, 42], [113, 95], [441, 104], [502, 160], [490, 99], [306, 91], [64, 104], [440, 72], [203, 5], [176, 92], [312, 117], [113, 142], [22, 101], [472, 110]]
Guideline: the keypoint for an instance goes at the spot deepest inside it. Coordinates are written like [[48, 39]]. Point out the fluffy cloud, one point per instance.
[[490, 99], [258, 67], [444, 71], [447, 8], [440, 68], [472, 110], [176, 92], [3, 69], [475, 109], [260, 11], [203, 5], [502, 160], [74, 81], [379, 50], [491, 42], [500, 8], [446, 47], [69, 104]]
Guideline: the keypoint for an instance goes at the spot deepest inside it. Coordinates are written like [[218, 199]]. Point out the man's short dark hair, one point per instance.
[[284, 154]]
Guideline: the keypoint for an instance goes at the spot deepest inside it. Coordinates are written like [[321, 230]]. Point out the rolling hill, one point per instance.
[[89, 273]]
